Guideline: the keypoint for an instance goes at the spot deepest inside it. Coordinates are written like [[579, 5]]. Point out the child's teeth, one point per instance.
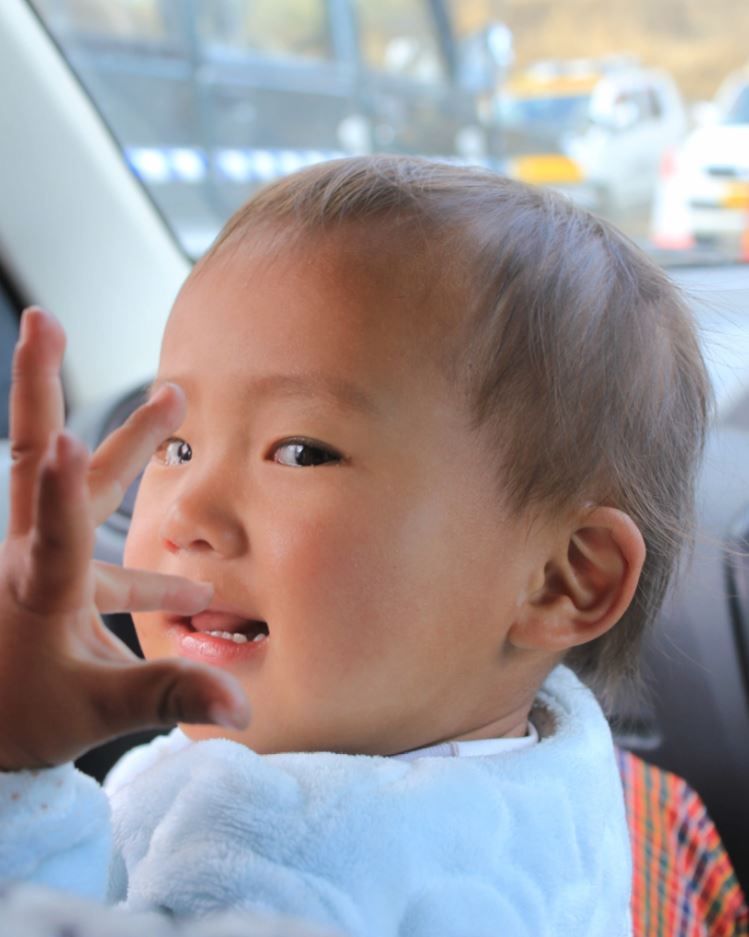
[[236, 636]]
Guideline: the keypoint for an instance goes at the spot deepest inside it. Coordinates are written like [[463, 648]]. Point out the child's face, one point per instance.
[[388, 575]]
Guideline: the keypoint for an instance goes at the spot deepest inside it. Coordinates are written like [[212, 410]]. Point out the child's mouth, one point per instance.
[[218, 637]]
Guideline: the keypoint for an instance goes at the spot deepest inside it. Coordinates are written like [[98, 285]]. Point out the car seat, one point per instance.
[[683, 884], [695, 719]]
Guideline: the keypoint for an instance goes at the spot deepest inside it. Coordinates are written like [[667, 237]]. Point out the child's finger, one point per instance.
[[36, 409], [164, 692], [121, 456], [135, 590], [62, 537]]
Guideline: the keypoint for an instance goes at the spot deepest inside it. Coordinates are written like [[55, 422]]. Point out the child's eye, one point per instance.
[[174, 451], [302, 453]]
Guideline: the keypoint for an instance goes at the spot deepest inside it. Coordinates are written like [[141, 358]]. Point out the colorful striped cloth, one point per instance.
[[684, 884]]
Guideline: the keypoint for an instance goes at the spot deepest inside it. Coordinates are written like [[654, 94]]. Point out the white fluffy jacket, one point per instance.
[[530, 843]]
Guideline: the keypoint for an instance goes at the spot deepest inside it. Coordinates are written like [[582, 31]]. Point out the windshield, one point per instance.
[[210, 99], [565, 111]]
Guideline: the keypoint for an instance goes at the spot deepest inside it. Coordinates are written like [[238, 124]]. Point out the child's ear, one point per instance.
[[586, 588]]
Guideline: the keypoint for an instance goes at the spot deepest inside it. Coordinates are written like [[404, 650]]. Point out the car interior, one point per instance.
[[691, 714]]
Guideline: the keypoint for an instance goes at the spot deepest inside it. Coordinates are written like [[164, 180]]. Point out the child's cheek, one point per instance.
[[141, 545], [337, 573]]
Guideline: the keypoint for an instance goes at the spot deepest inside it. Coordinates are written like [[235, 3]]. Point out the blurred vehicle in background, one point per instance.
[[703, 193], [594, 129]]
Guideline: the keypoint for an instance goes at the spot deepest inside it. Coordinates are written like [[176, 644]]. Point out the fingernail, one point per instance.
[[59, 449], [27, 317], [222, 716], [204, 590], [66, 447], [32, 318], [162, 391], [158, 394]]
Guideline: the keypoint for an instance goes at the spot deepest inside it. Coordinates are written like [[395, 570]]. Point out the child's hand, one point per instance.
[[66, 683]]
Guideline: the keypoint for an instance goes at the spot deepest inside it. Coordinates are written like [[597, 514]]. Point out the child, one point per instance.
[[433, 420]]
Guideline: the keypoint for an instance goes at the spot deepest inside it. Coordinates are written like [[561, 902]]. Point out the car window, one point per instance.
[[607, 104], [563, 110], [637, 105]]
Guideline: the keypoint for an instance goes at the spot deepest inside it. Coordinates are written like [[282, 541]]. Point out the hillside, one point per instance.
[[699, 42]]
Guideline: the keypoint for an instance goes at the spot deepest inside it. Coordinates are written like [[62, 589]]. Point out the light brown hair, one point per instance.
[[577, 355]]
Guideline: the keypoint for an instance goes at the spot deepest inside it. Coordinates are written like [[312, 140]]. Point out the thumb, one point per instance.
[[165, 692]]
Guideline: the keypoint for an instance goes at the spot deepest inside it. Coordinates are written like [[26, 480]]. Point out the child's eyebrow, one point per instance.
[[315, 384]]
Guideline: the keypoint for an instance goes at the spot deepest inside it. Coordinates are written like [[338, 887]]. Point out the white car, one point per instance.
[[596, 130], [703, 194]]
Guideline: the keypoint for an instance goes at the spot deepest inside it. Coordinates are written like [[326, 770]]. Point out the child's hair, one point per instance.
[[578, 357]]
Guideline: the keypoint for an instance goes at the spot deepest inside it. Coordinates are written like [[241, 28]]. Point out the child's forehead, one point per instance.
[[321, 309], [363, 278]]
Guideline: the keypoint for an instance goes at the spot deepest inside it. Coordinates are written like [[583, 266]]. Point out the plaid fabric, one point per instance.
[[684, 884]]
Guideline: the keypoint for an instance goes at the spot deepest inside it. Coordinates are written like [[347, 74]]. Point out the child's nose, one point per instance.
[[198, 521]]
